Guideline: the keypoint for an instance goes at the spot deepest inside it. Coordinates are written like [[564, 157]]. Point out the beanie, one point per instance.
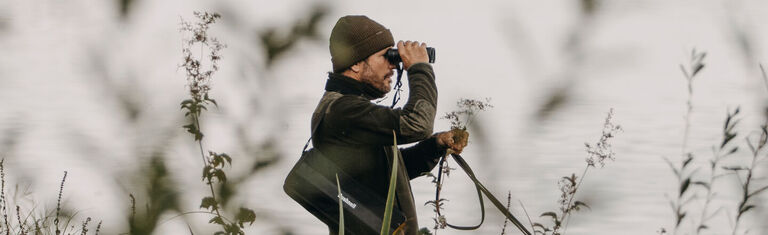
[[354, 38]]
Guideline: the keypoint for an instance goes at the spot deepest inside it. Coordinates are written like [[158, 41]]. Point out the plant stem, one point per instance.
[[745, 194], [205, 163], [570, 200], [686, 131], [765, 76], [183, 214]]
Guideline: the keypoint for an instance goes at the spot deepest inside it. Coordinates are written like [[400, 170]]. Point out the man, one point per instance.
[[356, 134]]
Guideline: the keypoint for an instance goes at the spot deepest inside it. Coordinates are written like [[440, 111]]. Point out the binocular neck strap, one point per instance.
[[398, 84]]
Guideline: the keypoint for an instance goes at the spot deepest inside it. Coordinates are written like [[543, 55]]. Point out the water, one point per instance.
[[57, 58]]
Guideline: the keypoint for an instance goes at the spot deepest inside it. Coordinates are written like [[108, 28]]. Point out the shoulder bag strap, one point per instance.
[[480, 190], [314, 128]]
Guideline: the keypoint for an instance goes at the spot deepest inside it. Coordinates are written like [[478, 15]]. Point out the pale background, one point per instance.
[[70, 72]]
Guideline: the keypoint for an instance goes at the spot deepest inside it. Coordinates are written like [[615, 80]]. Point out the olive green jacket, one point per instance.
[[357, 135]]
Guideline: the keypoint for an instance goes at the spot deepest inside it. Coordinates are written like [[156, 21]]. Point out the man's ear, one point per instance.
[[357, 68]]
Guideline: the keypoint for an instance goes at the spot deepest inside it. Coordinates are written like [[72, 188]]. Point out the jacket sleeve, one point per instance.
[[422, 157], [372, 124]]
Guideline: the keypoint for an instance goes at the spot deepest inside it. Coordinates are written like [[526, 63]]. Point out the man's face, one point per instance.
[[377, 71]]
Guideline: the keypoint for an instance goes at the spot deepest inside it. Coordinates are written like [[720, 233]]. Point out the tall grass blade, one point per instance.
[[341, 208], [392, 185]]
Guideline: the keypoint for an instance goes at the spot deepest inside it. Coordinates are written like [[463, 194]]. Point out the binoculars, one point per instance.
[[394, 56]]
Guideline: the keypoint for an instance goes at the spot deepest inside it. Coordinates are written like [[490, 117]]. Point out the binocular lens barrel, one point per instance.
[[394, 56]]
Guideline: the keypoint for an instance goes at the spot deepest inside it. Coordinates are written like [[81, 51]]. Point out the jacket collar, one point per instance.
[[349, 86]]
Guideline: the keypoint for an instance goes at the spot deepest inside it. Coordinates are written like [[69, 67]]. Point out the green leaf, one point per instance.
[[219, 174], [211, 100], [245, 215], [207, 172], [702, 183], [577, 204], [688, 160], [697, 68], [341, 207], [227, 158], [734, 168], [680, 218], [215, 160], [746, 208], [186, 104], [550, 214], [728, 138], [208, 203], [392, 184], [216, 220], [191, 128], [684, 186]]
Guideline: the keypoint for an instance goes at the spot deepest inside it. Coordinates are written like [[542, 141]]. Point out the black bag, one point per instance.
[[312, 183]]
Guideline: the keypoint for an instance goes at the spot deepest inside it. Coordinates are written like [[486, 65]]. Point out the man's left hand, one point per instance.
[[454, 140]]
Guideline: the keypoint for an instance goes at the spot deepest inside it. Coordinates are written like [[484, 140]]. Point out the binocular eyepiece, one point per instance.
[[394, 56]]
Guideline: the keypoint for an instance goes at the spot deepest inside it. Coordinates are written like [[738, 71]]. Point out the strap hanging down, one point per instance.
[[480, 190], [398, 85]]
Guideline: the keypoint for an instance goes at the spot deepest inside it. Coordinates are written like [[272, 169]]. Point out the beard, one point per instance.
[[380, 83]]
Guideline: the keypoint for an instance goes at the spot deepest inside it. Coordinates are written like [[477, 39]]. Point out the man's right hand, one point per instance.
[[412, 53], [454, 140]]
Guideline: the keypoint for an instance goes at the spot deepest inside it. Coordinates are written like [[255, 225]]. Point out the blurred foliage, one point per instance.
[[747, 177], [157, 193], [9, 139], [161, 196], [124, 7], [276, 42], [589, 7], [557, 99], [684, 172], [559, 95]]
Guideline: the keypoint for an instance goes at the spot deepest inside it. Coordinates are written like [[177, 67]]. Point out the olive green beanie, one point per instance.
[[354, 38]]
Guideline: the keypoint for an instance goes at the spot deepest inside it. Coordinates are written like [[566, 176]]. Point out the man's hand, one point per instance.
[[454, 140], [412, 53]]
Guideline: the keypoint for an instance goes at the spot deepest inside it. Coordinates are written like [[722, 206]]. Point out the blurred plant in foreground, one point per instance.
[[685, 170], [727, 148], [746, 175]]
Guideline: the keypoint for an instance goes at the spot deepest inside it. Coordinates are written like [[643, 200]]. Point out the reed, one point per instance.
[[685, 170], [717, 169], [50, 221]]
